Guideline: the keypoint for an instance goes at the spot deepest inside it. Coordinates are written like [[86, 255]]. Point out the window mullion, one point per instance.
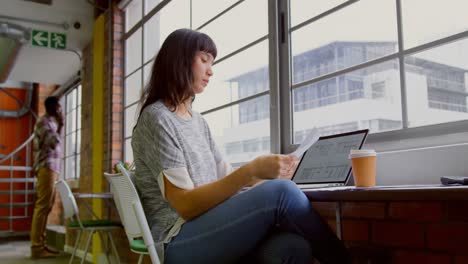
[[275, 121], [285, 109], [401, 61]]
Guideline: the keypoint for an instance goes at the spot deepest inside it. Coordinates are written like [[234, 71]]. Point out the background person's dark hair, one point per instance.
[[51, 104], [172, 77]]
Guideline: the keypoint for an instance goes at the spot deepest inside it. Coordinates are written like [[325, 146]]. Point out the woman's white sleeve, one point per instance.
[[177, 176]]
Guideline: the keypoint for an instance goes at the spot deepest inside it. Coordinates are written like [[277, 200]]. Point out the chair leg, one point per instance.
[[140, 259], [91, 232], [116, 253], [76, 246], [105, 245]]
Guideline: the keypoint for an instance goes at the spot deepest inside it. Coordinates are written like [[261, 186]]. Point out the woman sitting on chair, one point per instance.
[[191, 195]]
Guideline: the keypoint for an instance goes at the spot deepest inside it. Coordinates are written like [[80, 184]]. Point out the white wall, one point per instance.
[[44, 65]]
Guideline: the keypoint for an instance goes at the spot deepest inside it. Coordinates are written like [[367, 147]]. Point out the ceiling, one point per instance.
[[46, 65]]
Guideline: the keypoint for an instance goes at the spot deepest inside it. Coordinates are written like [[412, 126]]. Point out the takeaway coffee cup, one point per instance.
[[363, 162]]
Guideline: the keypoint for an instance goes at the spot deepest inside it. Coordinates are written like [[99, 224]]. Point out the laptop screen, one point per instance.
[[327, 160]]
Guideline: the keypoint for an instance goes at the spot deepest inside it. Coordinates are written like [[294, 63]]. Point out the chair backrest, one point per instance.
[[125, 196], [70, 208], [130, 209]]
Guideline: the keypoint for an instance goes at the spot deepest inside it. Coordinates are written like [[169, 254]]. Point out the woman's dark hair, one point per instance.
[[171, 77], [51, 104]]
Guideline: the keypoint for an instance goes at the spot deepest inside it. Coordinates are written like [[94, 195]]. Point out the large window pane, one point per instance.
[[133, 88], [78, 140], [133, 14], [242, 75], [70, 122], [133, 52], [242, 25], [175, 15], [204, 10], [130, 119], [367, 98], [301, 10], [71, 144], [150, 4], [345, 38], [71, 101], [70, 164], [72, 134], [242, 132], [436, 82], [78, 112], [425, 21], [78, 94]]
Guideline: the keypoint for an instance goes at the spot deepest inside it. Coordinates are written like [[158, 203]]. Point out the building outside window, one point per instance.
[[71, 107], [345, 73]]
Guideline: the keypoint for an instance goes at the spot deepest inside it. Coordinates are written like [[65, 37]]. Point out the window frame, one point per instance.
[[406, 132], [280, 76], [76, 133]]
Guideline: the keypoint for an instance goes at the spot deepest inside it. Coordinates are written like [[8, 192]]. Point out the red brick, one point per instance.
[[117, 72], [117, 54], [116, 137], [117, 108], [415, 211], [118, 27], [116, 117], [117, 90], [448, 237], [118, 17], [398, 234], [116, 126], [116, 145], [117, 46], [117, 98], [411, 257], [325, 209], [355, 230], [117, 82], [457, 211], [118, 36], [460, 260], [363, 210]]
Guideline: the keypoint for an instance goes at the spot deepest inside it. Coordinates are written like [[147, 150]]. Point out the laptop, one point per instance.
[[326, 163]]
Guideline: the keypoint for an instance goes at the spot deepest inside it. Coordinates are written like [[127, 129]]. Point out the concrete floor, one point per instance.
[[17, 251]]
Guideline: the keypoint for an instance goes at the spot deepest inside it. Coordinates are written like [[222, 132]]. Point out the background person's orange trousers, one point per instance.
[[45, 196]]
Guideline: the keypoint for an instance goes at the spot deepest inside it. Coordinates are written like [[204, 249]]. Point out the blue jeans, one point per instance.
[[270, 223]]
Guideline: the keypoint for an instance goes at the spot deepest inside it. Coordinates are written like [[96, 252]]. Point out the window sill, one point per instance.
[[390, 193]]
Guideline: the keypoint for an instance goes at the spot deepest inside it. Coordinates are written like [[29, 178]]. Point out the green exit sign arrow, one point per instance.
[[46, 39], [40, 38]]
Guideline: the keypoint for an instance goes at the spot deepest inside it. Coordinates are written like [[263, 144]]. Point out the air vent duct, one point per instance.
[[12, 37]]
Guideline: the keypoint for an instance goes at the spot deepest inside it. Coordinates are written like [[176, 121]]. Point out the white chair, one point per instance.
[[132, 215], [70, 210]]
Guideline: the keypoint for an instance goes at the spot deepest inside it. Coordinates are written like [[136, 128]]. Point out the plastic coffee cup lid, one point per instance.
[[359, 153]]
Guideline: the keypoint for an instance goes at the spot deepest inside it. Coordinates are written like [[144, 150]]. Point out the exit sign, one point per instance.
[[47, 39]]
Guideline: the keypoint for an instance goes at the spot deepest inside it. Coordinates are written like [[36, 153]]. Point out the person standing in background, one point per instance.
[[47, 153]]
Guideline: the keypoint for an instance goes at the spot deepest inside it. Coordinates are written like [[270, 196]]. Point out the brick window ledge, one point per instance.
[[398, 224]]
